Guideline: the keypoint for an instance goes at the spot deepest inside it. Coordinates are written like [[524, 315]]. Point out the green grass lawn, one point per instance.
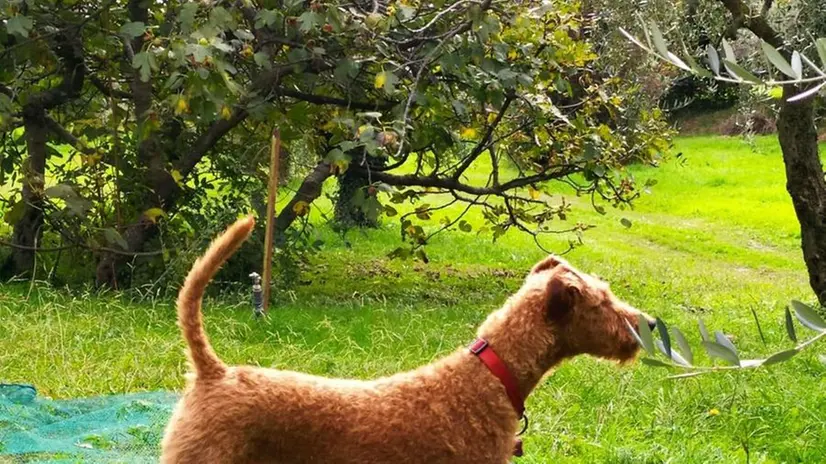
[[716, 238]]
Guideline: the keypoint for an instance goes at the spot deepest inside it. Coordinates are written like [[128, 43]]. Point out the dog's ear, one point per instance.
[[564, 290], [548, 263]]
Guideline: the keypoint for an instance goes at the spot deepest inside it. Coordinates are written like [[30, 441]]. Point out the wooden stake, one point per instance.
[[272, 187]]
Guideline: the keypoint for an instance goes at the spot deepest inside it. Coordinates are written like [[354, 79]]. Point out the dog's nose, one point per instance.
[[652, 324]]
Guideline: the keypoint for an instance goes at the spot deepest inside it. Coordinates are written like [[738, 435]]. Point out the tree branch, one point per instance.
[[309, 190], [324, 100], [756, 23], [454, 185], [480, 147], [108, 91]]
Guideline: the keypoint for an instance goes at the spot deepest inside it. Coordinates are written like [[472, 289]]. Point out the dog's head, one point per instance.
[[582, 313]]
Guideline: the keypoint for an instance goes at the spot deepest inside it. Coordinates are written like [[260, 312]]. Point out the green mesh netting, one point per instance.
[[106, 429]]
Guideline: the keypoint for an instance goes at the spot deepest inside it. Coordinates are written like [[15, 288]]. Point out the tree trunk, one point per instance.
[[28, 230], [351, 186], [348, 212], [309, 190], [805, 184]]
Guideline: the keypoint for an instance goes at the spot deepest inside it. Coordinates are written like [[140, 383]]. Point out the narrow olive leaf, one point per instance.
[[777, 60], [645, 334], [821, 49], [814, 90], [723, 340], [790, 326], [633, 39], [808, 316], [703, 331], [716, 350], [675, 356], [780, 357], [636, 335], [729, 52], [740, 72], [695, 67], [759, 329], [678, 62], [687, 375], [685, 348], [751, 362], [653, 362], [663, 331], [797, 65], [659, 41], [713, 59]]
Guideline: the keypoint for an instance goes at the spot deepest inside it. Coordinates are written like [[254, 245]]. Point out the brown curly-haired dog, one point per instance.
[[455, 410]]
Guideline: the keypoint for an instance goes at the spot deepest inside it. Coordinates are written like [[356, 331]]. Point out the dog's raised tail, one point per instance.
[[206, 363]]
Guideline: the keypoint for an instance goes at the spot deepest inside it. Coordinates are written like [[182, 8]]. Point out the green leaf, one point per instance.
[[187, 16], [266, 18], [678, 62], [696, 68], [723, 340], [390, 81], [808, 93], [666, 339], [220, 18], [674, 355], [133, 29], [635, 334], [20, 25], [114, 237], [685, 348], [626, 223], [751, 362], [78, 206], [739, 72], [390, 211], [309, 20], [728, 52], [143, 63], [199, 52], [61, 191], [821, 49], [346, 69], [780, 357], [716, 350], [797, 64], [808, 316], [14, 213], [400, 252], [777, 60], [790, 326], [703, 331], [645, 333], [653, 362], [713, 59], [657, 37], [263, 59]]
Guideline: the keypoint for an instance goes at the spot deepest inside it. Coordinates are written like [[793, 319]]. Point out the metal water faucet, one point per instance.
[[257, 295]]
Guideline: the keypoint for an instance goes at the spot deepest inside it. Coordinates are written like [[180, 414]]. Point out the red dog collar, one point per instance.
[[485, 353]]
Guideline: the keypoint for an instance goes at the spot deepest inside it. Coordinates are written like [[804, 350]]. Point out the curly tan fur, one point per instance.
[[451, 411]]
